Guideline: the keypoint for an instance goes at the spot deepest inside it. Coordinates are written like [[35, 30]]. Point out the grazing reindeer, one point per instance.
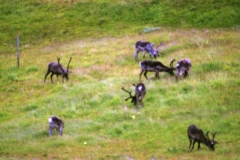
[[155, 66], [57, 68], [196, 135], [140, 91], [142, 46], [183, 68], [55, 122]]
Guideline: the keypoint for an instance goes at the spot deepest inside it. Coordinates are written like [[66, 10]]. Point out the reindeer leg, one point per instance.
[[157, 74], [51, 77], [136, 56], [46, 75], [60, 129], [141, 101], [190, 143], [145, 74], [141, 74], [50, 130], [137, 101], [185, 74], [57, 76], [198, 145], [150, 55], [193, 144], [144, 52], [139, 104]]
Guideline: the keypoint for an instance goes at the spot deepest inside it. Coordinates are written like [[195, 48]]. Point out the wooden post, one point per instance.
[[18, 51]]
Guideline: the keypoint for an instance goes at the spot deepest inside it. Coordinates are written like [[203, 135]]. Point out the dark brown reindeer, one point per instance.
[[196, 135], [183, 68], [140, 91], [155, 66], [142, 46], [58, 69], [55, 122]]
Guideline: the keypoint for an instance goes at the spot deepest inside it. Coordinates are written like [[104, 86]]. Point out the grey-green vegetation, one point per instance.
[[100, 36]]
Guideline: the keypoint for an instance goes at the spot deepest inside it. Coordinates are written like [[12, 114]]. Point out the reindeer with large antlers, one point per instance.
[[142, 46], [196, 135], [140, 91], [155, 66], [58, 69]]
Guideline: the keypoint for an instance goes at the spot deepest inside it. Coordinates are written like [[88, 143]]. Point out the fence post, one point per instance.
[[18, 51]]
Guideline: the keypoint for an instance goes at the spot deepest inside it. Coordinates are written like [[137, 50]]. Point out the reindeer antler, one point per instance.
[[214, 135], [160, 44], [171, 64], [207, 135], [130, 93], [59, 65], [69, 63], [58, 60], [134, 100]]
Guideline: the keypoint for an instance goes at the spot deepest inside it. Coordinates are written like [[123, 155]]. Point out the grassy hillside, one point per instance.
[[44, 21], [99, 123]]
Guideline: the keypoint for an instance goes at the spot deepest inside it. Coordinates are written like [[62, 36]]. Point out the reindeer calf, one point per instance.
[[196, 135], [57, 68], [55, 122], [140, 91], [183, 68], [155, 66], [142, 46]]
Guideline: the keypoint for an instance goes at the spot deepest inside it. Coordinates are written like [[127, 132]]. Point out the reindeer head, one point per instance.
[[153, 52], [157, 49], [64, 72], [211, 143]]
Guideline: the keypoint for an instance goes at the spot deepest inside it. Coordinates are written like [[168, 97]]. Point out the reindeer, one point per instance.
[[183, 68], [55, 122], [155, 66], [142, 46], [57, 68], [196, 135], [140, 91]]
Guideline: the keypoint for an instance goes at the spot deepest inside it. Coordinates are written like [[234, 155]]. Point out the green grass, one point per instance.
[[41, 22], [99, 123]]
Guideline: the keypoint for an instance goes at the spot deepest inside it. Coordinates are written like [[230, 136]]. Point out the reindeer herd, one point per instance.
[[182, 69]]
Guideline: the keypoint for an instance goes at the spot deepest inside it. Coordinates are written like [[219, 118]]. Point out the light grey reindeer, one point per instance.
[[196, 135], [155, 66], [140, 91], [183, 68], [55, 122], [142, 46], [58, 69]]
